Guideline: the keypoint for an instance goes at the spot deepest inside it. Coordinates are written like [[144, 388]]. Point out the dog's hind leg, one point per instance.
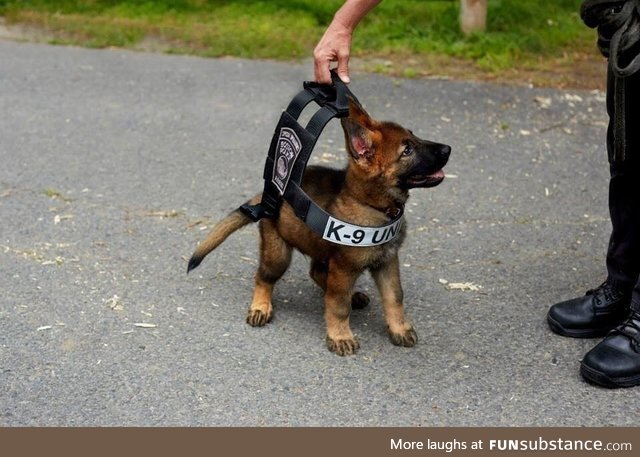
[[275, 257], [359, 300], [387, 279], [318, 273]]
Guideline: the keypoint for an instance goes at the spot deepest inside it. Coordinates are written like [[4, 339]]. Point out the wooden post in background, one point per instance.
[[473, 16]]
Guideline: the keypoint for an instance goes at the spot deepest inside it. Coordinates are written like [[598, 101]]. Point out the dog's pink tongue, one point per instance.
[[438, 174]]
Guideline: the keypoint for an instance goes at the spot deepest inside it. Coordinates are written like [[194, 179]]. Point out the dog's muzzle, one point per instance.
[[428, 171]]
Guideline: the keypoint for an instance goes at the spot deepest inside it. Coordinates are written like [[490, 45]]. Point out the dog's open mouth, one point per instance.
[[425, 180]]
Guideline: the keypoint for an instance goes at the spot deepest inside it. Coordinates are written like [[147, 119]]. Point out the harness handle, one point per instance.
[[335, 95]]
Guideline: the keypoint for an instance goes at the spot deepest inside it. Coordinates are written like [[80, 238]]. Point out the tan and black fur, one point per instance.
[[385, 161]]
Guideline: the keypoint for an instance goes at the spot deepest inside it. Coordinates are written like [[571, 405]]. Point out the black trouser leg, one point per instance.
[[623, 255]]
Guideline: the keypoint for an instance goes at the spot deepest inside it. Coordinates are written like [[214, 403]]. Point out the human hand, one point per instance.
[[335, 46]]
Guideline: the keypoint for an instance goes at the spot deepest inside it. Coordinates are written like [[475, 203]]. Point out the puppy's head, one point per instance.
[[389, 151]]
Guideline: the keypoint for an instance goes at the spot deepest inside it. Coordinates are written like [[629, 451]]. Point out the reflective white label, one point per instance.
[[341, 232]]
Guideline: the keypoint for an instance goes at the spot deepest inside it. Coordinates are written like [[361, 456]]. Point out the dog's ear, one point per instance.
[[358, 113], [358, 131]]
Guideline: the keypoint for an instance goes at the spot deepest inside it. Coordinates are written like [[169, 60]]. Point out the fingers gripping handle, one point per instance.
[[335, 95]]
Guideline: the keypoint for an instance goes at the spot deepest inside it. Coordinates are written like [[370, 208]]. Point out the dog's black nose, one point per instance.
[[444, 150]]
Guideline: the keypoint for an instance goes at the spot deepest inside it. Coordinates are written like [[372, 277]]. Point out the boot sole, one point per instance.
[[556, 327], [602, 379]]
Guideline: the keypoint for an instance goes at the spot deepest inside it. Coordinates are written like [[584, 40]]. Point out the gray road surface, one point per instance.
[[114, 164]]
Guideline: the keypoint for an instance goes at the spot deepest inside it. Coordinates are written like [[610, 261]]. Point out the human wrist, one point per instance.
[[352, 12]]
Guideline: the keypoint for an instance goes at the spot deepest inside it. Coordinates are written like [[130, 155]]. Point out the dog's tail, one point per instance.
[[234, 221]]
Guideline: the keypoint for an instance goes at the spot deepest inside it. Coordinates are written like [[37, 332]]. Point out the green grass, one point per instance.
[[519, 31], [516, 30], [256, 29]]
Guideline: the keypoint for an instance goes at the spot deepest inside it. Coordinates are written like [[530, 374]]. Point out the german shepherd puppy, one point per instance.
[[385, 160]]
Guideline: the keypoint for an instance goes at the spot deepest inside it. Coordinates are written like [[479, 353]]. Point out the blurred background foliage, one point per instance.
[[404, 37]]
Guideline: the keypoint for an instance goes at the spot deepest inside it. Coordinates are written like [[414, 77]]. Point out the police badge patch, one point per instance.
[[289, 146]]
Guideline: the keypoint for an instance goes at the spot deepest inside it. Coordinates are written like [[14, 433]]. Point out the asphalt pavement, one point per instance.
[[114, 164]]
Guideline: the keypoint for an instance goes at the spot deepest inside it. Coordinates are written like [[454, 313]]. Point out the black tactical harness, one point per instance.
[[290, 150], [618, 24]]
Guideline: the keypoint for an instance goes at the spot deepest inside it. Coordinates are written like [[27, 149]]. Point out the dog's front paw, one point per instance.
[[258, 318], [343, 347], [407, 339]]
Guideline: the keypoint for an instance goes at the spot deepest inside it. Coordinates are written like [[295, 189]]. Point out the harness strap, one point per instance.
[[299, 102]]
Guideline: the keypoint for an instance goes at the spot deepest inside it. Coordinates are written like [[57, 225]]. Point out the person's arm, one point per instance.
[[335, 45]]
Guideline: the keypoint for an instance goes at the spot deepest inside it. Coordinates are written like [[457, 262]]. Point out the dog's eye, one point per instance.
[[408, 150]]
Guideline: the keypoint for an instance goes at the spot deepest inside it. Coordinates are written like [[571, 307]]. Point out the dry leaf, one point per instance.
[[115, 303], [573, 98], [144, 325], [170, 213], [543, 102], [463, 286]]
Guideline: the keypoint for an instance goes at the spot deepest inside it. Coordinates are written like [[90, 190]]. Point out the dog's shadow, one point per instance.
[[298, 302]]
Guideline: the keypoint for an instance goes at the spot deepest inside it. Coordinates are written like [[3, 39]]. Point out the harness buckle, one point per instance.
[[269, 207], [335, 96]]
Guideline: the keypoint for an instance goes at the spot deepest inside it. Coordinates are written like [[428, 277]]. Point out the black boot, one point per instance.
[[615, 362], [593, 315]]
